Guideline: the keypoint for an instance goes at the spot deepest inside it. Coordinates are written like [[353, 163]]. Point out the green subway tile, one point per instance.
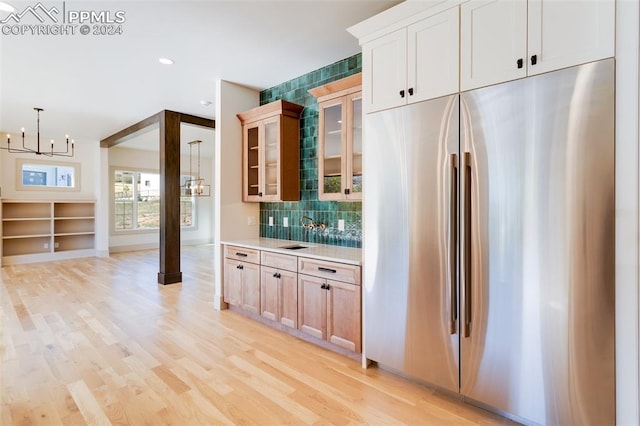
[[328, 212]]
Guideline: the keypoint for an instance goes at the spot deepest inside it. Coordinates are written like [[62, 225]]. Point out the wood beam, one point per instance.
[[130, 132], [169, 126]]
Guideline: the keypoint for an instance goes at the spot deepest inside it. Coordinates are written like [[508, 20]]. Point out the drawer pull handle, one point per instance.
[[331, 271], [241, 254]]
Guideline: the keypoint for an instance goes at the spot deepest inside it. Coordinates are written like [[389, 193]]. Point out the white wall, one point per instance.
[[85, 155], [627, 213], [230, 210], [128, 158]]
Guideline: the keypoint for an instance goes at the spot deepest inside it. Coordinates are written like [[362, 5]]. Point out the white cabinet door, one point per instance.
[[568, 33], [384, 63], [493, 42], [433, 64]]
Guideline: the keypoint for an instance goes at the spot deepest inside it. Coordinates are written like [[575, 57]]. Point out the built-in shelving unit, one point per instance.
[[36, 231]]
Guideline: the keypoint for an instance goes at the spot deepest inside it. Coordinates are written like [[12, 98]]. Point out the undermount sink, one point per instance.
[[293, 247]]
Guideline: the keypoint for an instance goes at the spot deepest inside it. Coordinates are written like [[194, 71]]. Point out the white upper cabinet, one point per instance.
[[567, 33], [433, 45], [412, 64], [503, 40], [384, 64], [493, 42]]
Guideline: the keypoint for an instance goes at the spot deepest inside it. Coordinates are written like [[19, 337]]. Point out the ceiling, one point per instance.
[[92, 86]]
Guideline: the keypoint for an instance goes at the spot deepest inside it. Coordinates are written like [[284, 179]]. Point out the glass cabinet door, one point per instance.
[[332, 150], [253, 160], [271, 155], [355, 156]]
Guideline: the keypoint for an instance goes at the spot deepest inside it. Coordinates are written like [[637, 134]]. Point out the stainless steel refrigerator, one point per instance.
[[489, 245]]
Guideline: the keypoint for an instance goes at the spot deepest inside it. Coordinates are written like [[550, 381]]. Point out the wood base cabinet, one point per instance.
[[242, 278], [279, 294], [329, 309], [315, 297]]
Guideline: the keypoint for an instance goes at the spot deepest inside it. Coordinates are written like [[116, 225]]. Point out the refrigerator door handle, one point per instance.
[[467, 245], [453, 246]]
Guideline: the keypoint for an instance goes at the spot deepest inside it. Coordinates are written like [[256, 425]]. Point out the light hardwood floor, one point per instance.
[[98, 341]]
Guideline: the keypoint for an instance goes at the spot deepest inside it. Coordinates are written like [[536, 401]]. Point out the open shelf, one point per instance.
[[26, 210], [31, 230], [22, 246], [73, 242]]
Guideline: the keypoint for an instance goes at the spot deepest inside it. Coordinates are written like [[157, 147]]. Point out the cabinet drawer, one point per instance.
[[331, 270], [242, 253], [279, 261]]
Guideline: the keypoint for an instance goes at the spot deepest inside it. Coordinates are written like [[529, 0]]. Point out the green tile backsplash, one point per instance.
[[327, 212]]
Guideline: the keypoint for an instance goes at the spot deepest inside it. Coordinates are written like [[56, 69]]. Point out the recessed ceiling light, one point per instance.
[[165, 61], [205, 103], [6, 7]]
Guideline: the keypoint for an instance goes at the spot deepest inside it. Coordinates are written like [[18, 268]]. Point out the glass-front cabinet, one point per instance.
[[271, 152], [340, 139]]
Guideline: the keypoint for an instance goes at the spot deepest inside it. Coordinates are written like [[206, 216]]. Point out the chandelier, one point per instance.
[[195, 186], [37, 151]]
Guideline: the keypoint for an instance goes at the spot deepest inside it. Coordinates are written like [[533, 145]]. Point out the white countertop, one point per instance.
[[348, 255]]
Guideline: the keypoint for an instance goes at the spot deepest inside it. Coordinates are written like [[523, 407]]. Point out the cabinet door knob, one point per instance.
[[410, 91], [275, 275], [240, 267], [347, 191], [402, 93], [534, 59], [323, 286], [327, 287], [520, 63], [259, 194]]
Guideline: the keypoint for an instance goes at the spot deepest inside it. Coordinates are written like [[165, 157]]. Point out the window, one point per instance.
[[137, 201], [46, 175]]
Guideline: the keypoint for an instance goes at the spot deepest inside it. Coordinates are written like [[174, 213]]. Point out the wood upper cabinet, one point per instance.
[[412, 64], [502, 40], [271, 152], [340, 139]]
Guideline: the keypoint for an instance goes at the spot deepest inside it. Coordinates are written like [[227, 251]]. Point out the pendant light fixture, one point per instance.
[[37, 151], [195, 186]]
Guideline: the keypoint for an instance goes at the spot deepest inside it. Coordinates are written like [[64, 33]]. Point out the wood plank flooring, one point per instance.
[[97, 341]]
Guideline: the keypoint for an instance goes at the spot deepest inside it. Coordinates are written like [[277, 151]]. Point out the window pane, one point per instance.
[[148, 187], [186, 211], [137, 201], [123, 196]]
